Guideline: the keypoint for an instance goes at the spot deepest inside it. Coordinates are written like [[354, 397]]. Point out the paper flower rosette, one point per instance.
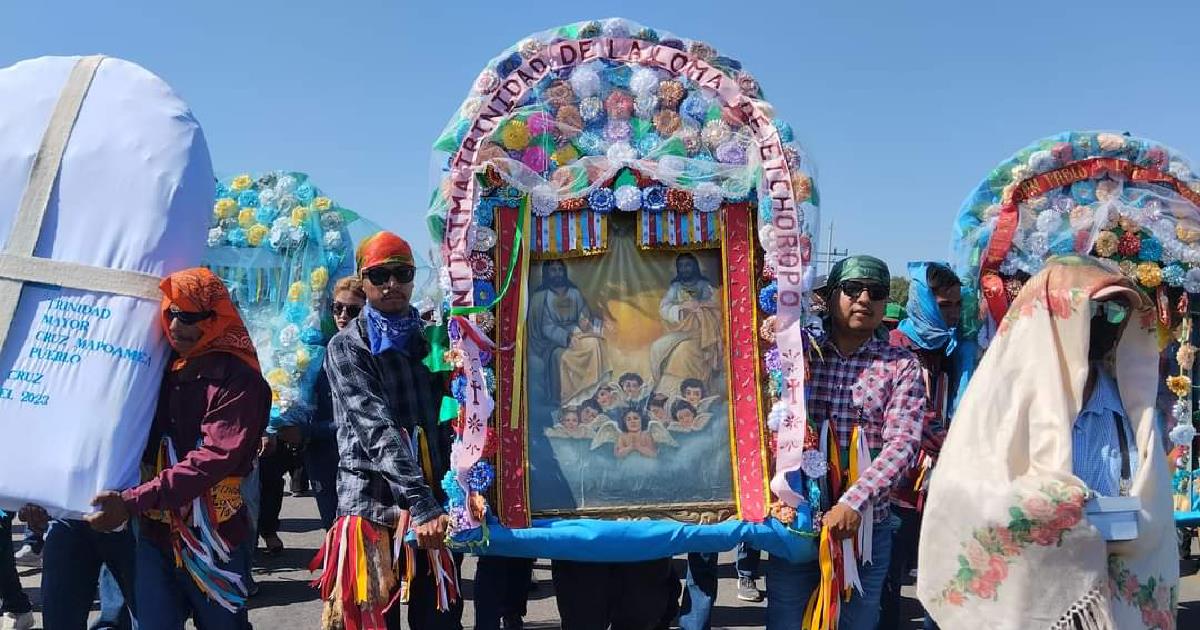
[[1128, 200], [279, 244], [562, 134]]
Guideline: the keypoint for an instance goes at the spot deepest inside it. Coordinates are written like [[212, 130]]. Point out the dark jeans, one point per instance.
[[321, 461], [167, 596], [699, 592], [12, 598], [904, 559], [272, 468], [748, 559], [623, 596], [422, 602], [71, 568], [501, 591]]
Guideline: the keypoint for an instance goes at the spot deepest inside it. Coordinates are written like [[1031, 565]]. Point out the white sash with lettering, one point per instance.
[[82, 245]]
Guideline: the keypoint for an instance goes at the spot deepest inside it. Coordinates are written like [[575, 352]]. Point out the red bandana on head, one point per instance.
[[384, 248]]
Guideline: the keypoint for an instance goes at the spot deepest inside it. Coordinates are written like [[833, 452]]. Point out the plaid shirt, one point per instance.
[[379, 404], [879, 387]]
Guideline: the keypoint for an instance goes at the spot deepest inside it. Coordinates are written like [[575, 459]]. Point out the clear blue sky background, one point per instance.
[[905, 106]]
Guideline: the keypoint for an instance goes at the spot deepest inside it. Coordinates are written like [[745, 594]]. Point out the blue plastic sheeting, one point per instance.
[[590, 540]]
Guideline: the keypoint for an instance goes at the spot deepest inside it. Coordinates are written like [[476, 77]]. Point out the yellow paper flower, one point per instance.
[[1106, 244], [278, 377], [240, 183], [296, 292], [303, 358], [1129, 269], [1149, 275], [225, 208], [515, 135], [1186, 354], [255, 235], [246, 218], [1179, 385], [1186, 233], [1129, 225], [318, 279], [299, 216], [322, 203], [564, 155], [274, 396]]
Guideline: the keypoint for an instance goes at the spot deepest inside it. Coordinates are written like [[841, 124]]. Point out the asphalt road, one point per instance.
[[287, 601]]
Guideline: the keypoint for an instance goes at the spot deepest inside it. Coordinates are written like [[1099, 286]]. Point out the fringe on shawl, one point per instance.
[[1090, 612]]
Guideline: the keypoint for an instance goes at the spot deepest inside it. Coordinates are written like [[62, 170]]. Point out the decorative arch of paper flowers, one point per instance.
[[560, 116], [1128, 200]]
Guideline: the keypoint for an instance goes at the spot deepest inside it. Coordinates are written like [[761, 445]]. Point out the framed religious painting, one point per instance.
[[625, 231]]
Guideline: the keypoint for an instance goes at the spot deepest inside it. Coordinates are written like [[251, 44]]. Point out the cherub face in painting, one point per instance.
[[570, 419], [631, 387], [605, 396], [685, 417], [693, 395], [589, 414], [658, 412], [633, 421]]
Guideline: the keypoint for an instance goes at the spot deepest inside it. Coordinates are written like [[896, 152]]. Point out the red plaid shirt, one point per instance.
[[881, 388]]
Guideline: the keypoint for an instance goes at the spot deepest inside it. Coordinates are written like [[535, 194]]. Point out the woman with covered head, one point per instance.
[[1061, 410]]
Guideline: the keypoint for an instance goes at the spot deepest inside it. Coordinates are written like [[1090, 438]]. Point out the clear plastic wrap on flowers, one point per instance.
[[1110, 195], [580, 126], [280, 244]]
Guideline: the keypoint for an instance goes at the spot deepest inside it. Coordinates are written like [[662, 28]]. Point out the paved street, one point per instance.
[[287, 601]]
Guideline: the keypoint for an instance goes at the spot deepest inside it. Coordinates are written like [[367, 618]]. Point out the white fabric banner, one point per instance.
[[80, 370]]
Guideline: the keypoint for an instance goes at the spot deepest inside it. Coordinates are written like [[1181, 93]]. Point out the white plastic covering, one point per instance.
[[81, 369]]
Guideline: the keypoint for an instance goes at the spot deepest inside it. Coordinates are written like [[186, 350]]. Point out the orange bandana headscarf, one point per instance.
[[384, 248], [197, 290]]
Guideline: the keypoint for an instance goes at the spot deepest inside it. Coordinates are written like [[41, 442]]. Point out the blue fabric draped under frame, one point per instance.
[[590, 540]]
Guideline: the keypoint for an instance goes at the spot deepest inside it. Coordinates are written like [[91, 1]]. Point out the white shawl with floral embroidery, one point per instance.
[[1005, 542]]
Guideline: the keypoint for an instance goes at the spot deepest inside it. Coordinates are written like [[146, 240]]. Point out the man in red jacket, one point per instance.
[[212, 410]]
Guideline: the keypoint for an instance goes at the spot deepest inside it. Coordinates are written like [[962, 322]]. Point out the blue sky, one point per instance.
[[903, 106]]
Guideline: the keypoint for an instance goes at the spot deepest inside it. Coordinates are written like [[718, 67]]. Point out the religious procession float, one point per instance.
[[625, 231], [105, 181], [1127, 200], [279, 243]]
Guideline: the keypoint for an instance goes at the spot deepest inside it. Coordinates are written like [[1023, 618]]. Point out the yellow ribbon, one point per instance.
[[360, 579], [514, 417], [819, 614]]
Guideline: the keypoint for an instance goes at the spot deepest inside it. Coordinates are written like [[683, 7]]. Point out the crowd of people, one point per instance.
[[179, 545]]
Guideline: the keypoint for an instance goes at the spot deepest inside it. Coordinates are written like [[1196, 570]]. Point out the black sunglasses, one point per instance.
[[351, 310], [378, 276], [854, 288], [190, 319]]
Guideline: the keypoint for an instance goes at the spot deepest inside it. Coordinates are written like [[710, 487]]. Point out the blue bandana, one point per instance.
[[924, 324], [392, 332]]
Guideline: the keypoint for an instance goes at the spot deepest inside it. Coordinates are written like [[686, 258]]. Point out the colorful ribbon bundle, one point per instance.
[[357, 577], [199, 554]]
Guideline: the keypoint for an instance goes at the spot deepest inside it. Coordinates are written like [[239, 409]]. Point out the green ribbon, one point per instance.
[[512, 265]]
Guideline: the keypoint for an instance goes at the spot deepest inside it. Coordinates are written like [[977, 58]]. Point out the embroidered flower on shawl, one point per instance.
[[1043, 519], [1154, 600]]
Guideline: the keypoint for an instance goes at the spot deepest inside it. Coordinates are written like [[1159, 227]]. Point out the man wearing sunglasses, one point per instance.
[[393, 450], [857, 380]]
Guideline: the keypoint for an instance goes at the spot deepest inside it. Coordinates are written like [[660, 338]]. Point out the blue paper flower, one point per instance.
[[481, 476], [1084, 192], [454, 492], [1151, 249], [767, 299], [772, 360], [509, 63], [648, 144], [601, 200], [619, 76], [311, 336], [223, 191], [248, 199], [590, 142], [266, 214], [489, 378], [785, 131], [654, 197], [458, 388], [695, 106], [1173, 274], [485, 212], [484, 293], [295, 312], [305, 193], [237, 237]]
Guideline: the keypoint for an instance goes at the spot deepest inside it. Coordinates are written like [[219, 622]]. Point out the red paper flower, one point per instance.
[[1129, 245], [679, 200]]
